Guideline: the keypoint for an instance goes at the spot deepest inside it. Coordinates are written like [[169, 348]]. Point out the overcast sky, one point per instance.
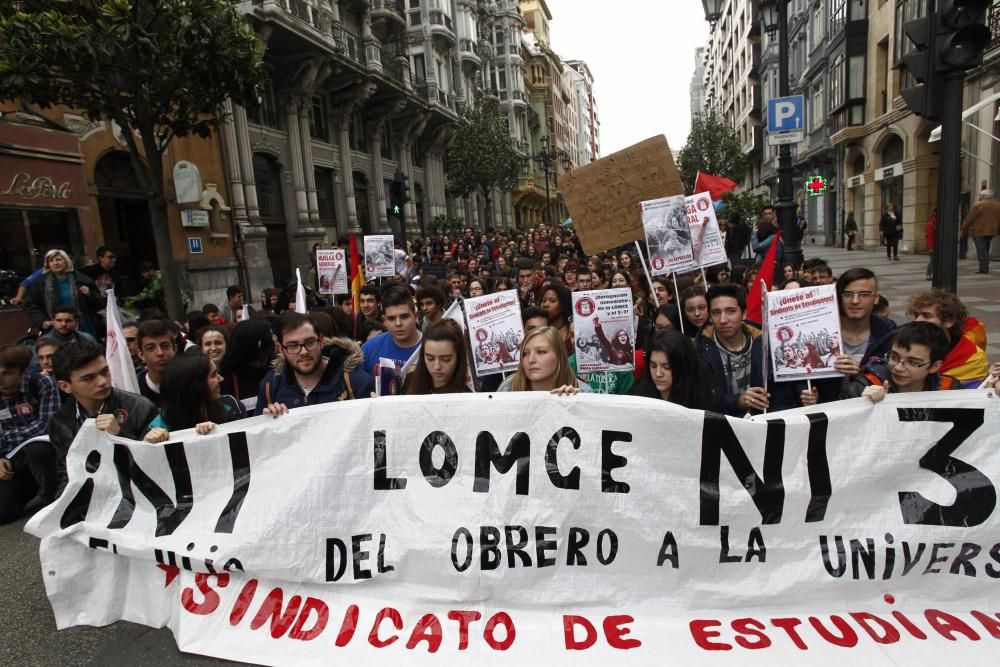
[[641, 53]]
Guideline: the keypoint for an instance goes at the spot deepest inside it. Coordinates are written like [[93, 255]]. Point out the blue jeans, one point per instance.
[[983, 252]]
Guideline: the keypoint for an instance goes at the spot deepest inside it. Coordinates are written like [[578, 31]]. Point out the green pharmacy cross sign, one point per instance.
[[816, 186]]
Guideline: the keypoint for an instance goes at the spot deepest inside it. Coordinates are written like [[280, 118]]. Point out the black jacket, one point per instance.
[[725, 401], [88, 305], [133, 412]]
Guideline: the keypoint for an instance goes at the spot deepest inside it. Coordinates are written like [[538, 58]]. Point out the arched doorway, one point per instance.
[[125, 219], [267, 177], [892, 186], [361, 202]]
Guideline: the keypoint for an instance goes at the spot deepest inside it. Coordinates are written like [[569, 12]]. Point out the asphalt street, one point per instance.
[[29, 633]]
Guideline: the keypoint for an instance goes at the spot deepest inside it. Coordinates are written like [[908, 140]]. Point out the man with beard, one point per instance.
[[304, 376]]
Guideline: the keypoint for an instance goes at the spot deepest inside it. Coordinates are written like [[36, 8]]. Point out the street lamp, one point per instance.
[[774, 18], [545, 158], [713, 10]]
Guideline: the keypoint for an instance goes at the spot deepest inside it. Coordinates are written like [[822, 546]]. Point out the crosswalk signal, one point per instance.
[[398, 195], [962, 35], [924, 98]]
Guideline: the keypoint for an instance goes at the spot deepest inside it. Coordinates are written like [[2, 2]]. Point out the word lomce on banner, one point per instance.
[[603, 196], [524, 528], [803, 329], [604, 330]]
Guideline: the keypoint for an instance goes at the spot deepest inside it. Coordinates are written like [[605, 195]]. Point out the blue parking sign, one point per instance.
[[194, 245], [785, 114]]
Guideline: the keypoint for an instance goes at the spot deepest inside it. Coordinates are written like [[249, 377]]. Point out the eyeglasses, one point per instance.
[[861, 296], [895, 360], [308, 345]]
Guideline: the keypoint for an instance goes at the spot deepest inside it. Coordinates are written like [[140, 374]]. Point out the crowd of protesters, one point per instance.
[[695, 346]]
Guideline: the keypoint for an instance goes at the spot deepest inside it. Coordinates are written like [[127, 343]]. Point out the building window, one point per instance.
[[856, 77], [358, 140], [818, 110], [838, 16], [906, 10], [26, 235], [325, 197], [318, 128], [265, 112], [817, 24], [837, 81]]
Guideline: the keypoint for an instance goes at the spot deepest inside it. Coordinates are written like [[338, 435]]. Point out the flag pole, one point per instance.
[[645, 269], [677, 292]]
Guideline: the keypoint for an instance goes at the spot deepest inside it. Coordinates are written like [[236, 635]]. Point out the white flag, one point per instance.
[[245, 313], [300, 294], [116, 350]]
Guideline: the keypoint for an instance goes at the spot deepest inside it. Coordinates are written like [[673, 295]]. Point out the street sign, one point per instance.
[[785, 114], [194, 245], [194, 218], [782, 138]]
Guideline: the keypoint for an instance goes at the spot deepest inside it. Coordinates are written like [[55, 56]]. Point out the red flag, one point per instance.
[[716, 186], [357, 275], [765, 280]]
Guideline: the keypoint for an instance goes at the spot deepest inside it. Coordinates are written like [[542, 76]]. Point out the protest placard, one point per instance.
[[604, 330], [803, 328], [706, 237], [522, 528], [379, 259], [495, 332], [331, 267], [668, 236], [603, 196]]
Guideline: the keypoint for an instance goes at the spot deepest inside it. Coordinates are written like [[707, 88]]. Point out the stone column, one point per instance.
[[298, 175], [312, 204], [232, 163], [375, 131], [246, 165], [347, 170]]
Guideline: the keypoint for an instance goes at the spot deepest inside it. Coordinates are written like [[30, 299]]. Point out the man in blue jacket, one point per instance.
[[303, 376], [732, 351]]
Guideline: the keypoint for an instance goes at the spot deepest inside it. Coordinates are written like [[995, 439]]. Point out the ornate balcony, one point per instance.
[[442, 28], [387, 17], [467, 52], [993, 21]]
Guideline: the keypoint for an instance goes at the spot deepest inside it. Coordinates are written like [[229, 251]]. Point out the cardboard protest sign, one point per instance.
[[803, 327], [668, 236], [706, 237], [495, 332], [331, 268], [603, 196], [380, 261], [523, 528], [604, 330]]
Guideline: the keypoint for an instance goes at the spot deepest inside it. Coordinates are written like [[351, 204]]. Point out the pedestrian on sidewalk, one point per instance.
[[891, 227], [982, 224], [851, 230], [930, 236]]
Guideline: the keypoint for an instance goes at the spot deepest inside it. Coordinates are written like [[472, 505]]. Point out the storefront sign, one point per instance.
[[194, 218], [29, 186], [856, 181], [889, 171]]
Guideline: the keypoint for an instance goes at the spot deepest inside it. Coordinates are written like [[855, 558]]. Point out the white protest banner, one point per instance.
[[523, 528], [380, 261], [331, 267], [706, 237], [668, 235], [604, 330], [803, 329], [495, 332]]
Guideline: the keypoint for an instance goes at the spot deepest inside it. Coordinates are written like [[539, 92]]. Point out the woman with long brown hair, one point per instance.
[[544, 366], [442, 365]]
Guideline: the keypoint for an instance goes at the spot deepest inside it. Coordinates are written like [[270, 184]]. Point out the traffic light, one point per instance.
[[924, 98], [399, 193], [962, 36]]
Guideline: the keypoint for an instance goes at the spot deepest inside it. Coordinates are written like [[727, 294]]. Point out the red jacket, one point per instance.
[[930, 232]]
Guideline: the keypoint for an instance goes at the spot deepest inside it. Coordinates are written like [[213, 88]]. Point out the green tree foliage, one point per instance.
[[481, 155], [159, 69], [713, 148], [744, 203]]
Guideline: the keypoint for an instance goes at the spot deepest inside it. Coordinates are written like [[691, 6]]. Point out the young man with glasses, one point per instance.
[[918, 348], [304, 376]]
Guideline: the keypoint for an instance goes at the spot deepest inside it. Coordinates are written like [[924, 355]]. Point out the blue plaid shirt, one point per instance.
[[20, 423]]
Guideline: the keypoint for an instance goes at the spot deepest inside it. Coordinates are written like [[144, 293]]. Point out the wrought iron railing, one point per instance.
[[993, 21]]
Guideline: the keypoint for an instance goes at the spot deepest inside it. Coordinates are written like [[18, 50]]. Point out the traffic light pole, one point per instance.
[[949, 185], [785, 207]]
